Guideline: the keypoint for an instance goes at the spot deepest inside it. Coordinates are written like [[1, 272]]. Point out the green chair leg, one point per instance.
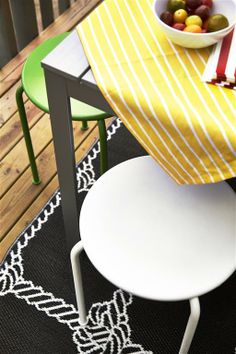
[[84, 125], [26, 132], [103, 146]]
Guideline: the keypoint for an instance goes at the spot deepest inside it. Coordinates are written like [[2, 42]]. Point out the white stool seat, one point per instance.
[[156, 239]]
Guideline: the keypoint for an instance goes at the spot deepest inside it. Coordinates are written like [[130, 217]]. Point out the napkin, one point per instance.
[[221, 66]]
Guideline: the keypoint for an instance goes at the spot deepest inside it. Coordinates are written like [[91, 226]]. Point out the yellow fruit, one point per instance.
[[180, 16], [217, 22], [193, 20], [193, 29]]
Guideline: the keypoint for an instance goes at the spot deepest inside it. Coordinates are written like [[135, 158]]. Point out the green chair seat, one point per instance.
[[33, 82]]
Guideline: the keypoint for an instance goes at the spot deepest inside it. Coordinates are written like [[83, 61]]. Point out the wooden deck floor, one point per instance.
[[20, 199]]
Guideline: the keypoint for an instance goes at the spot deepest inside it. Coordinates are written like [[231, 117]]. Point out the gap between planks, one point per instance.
[[44, 196], [11, 134], [16, 161], [11, 203]]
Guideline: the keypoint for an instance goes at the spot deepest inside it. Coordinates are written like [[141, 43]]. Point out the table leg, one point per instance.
[[232, 183], [61, 122]]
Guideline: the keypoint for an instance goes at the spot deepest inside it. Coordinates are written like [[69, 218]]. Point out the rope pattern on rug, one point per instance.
[[108, 330]]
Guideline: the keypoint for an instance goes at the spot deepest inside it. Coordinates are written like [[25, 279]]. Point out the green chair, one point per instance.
[[33, 84]]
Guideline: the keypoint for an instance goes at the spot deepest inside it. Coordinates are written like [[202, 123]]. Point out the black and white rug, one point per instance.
[[37, 306]]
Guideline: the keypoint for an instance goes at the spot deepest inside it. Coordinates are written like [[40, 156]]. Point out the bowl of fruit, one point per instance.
[[195, 23]]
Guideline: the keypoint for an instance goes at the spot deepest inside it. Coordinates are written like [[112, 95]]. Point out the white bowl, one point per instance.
[[198, 40]]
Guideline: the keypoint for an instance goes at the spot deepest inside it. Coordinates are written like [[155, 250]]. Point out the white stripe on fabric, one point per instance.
[[187, 101], [215, 58], [134, 96], [223, 115], [231, 62], [209, 72], [122, 115], [145, 94], [210, 114], [179, 100], [222, 90], [209, 111]]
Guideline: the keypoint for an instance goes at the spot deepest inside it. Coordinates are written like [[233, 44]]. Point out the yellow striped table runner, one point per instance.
[[155, 87]]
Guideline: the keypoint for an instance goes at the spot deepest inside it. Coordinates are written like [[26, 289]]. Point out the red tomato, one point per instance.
[[179, 26], [208, 3]]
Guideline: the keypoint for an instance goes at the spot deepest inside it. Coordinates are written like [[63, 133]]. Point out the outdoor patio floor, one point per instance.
[[20, 199]]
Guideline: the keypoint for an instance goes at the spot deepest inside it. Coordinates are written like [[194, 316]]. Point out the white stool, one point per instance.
[[156, 239]]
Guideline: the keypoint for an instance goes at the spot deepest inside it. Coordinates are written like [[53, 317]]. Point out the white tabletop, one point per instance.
[[68, 59]]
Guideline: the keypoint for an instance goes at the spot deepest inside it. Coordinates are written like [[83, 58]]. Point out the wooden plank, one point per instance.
[[11, 206], [11, 132], [16, 161], [39, 202], [8, 47], [8, 103], [46, 12], [11, 72], [10, 81], [38, 15], [35, 207], [24, 21], [27, 217], [55, 8]]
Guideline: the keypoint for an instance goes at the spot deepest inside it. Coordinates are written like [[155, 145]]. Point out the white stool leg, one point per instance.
[[191, 325], [79, 293]]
